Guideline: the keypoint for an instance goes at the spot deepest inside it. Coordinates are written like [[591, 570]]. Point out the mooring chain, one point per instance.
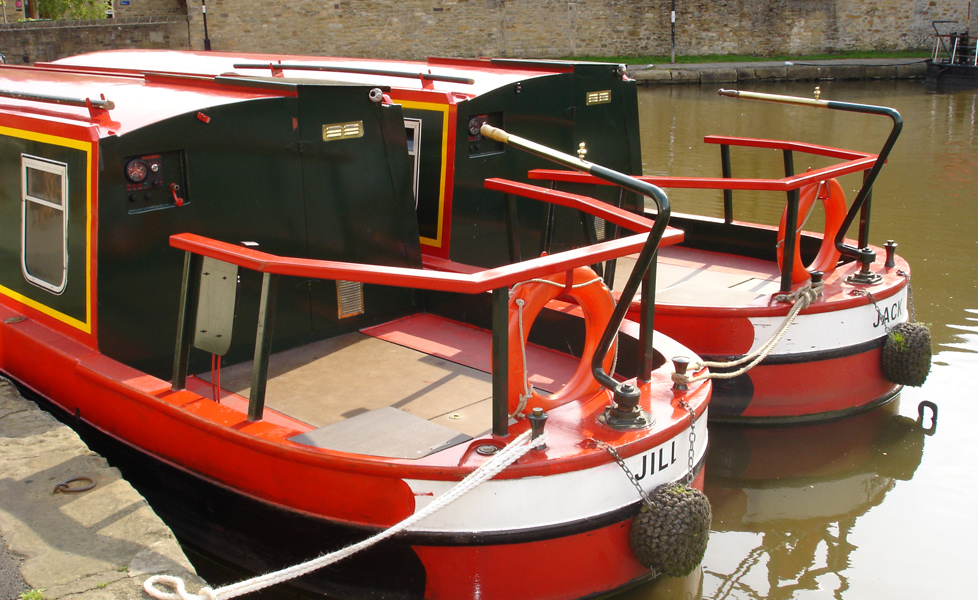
[[631, 476], [628, 472], [801, 298], [692, 439], [879, 313], [913, 315]]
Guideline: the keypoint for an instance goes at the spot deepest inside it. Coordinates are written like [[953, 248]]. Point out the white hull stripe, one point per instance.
[[833, 330], [506, 505]]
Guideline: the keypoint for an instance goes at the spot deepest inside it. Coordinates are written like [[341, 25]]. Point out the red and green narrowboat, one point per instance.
[[299, 329], [725, 291]]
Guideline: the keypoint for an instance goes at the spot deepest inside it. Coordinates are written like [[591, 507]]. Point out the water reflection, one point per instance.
[[785, 501], [866, 507], [801, 491]]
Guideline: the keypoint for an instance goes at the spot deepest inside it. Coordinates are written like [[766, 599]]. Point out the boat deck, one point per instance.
[[690, 277], [430, 368], [424, 382]]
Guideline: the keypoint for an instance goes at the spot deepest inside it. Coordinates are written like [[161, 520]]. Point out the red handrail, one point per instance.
[[855, 162], [597, 208], [473, 281], [805, 147], [469, 283]]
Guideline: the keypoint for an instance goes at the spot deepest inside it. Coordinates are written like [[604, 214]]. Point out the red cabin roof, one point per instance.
[[133, 100], [470, 77]]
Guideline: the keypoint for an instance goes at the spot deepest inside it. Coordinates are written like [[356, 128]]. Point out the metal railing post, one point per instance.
[[727, 174], [791, 226], [185, 320], [512, 223], [500, 362], [646, 353], [263, 346], [864, 214]]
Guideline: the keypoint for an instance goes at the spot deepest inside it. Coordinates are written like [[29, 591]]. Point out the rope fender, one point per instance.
[[502, 459], [907, 354], [671, 531]]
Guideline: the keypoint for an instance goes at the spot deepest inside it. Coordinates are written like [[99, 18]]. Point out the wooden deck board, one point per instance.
[[331, 380], [426, 366], [702, 278]]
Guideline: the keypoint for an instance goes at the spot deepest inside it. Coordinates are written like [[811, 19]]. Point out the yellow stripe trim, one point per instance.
[[86, 147], [442, 108]]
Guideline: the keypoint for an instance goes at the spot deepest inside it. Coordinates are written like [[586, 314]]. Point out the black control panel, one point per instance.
[[478, 144], [155, 181]]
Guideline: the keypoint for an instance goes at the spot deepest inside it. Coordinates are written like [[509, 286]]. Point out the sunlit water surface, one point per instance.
[[879, 505], [876, 505]]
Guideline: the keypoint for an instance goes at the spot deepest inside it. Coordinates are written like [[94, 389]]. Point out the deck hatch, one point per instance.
[[386, 432], [602, 97], [349, 298], [342, 131]]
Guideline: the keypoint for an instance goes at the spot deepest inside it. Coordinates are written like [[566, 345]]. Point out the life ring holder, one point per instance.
[[528, 299], [833, 199]]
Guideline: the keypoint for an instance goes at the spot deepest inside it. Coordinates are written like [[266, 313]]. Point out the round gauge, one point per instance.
[[475, 125], [136, 171]]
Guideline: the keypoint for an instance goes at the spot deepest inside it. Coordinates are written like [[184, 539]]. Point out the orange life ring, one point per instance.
[[834, 202], [597, 304]]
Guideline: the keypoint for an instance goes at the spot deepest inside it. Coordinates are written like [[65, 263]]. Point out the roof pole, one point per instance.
[[207, 39]]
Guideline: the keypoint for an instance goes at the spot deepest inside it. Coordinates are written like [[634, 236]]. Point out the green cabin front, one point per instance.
[[293, 166]]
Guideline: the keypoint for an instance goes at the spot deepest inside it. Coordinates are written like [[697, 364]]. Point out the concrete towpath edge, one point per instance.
[[99, 544]]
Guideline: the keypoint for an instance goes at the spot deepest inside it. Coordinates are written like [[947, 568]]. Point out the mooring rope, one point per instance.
[[526, 374], [801, 299], [505, 457]]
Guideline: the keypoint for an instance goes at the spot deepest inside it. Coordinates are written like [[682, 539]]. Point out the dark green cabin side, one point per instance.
[[592, 104], [323, 174], [43, 223]]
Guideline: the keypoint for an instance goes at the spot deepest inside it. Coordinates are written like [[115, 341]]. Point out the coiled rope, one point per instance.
[[801, 299], [505, 457]]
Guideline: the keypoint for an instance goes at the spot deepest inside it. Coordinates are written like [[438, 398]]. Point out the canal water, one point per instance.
[[879, 505]]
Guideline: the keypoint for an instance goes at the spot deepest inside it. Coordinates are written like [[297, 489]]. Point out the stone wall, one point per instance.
[[415, 29], [33, 41], [560, 28], [149, 8]]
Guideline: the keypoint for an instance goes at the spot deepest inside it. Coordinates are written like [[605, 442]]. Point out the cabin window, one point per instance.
[[44, 222], [413, 130]]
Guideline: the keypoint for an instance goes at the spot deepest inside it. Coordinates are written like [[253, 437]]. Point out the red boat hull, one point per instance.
[[827, 365], [178, 436]]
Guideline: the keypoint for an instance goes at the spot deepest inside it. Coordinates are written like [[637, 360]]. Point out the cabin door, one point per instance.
[[358, 200]]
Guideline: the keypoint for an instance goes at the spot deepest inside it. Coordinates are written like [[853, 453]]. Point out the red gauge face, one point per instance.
[[136, 171]]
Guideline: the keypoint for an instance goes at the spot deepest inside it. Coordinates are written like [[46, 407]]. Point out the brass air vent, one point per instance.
[[342, 131], [602, 97]]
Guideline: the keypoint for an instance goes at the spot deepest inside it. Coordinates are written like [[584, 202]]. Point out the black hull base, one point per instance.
[[941, 75]]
